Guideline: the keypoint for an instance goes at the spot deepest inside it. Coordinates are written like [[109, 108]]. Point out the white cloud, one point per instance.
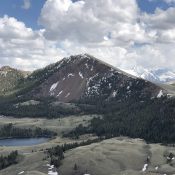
[[170, 1], [24, 48], [161, 19], [11, 28], [110, 30], [26, 4], [114, 31], [89, 21]]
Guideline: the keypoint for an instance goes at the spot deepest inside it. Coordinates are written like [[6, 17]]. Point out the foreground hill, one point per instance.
[[115, 156]]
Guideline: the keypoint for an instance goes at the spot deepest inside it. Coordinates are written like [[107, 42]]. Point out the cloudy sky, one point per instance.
[[124, 33]]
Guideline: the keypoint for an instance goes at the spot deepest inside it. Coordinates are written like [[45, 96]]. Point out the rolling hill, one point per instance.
[[10, 78]]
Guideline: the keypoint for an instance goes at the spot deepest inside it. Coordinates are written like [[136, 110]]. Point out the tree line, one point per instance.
[[8, 160], [10, 131], [152, 120], [56, 154]]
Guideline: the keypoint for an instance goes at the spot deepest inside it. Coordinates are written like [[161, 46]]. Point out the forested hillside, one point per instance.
[[152, 120]]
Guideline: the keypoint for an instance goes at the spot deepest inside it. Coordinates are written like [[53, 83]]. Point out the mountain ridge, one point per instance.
[[9, 78], [82, 74], [43, 82], [160, 75]]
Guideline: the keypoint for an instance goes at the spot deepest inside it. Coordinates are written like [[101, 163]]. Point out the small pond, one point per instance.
[[22, 141]]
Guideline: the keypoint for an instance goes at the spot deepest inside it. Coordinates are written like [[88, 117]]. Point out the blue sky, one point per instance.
[[13, 8], [124, 33], [149, 6]]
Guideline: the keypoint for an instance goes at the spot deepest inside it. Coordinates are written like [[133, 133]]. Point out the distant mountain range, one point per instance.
[[153, 75]]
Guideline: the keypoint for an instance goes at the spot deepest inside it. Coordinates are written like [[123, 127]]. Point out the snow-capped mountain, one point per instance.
[[154, 75]]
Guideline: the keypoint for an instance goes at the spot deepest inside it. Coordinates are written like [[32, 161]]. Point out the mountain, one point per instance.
[[81, 84], [9, 79], [153, 75], [84, 78]]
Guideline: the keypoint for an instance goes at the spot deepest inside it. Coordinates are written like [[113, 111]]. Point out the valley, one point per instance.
[[99, 120], [112, 156]]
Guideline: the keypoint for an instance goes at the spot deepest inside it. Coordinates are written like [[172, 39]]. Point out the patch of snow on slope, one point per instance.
[[110, 85], [81, 75], [21, 172], [59, 93], [70, 75], [53, 87], [114, 94], [160, 94], [144, 167], [86, 65], [52, 173], [50, 170], [67, 95]]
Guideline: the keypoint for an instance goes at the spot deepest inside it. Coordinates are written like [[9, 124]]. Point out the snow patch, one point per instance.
[[50, 170], [21, 172], [86, 65], [59, 93], [114, 94], [145, 167], [81, 75], [70, 75], [160, 94], [67, 95], [110, 85], [156, 168], [53, 87], [52, 173]]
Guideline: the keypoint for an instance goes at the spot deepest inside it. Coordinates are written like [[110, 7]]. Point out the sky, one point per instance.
[[124, 33]]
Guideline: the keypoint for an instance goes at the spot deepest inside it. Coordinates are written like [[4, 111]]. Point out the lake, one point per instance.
[[22, 141]]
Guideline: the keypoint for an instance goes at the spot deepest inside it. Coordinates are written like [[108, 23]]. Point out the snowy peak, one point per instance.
[[153, 75]]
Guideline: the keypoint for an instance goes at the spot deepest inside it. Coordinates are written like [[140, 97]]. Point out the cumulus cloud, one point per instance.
[[24, 48], [117, 32], [89, 21]]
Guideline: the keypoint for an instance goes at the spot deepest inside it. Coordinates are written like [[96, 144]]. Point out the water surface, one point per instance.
[[22, 141]]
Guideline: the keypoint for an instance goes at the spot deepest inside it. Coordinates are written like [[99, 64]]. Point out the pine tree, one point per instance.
[[75, 167]]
